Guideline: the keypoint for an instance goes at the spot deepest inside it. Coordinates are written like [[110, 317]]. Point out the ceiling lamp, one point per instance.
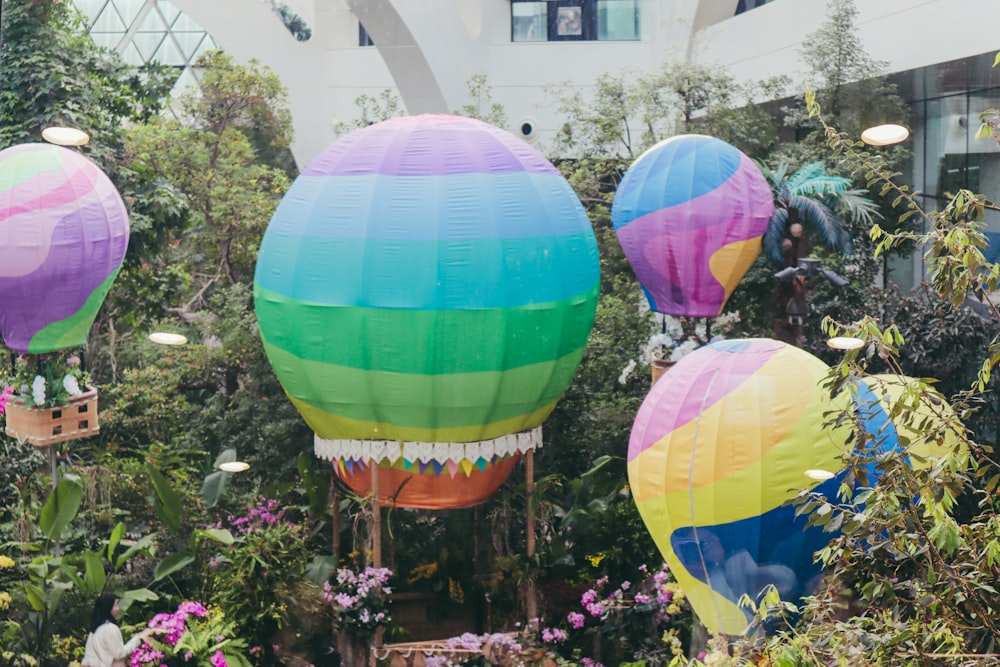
[[164, 338], [845, 343], [885, 135], [65, 136]]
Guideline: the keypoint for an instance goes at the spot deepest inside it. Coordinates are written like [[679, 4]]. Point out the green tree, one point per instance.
[[54, 74], [811, 196]]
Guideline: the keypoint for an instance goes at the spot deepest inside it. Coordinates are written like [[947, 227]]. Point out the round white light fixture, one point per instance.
[[819, 475], [845, 343], [234, 466], [884, 135], [164, 338], [65, 136]]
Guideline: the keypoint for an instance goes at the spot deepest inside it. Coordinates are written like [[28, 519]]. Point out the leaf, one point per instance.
[[142, 544], [214, 488], [60, 508], [36, 597], [116, 537], [168, 504], [94, 576], [321, 569], [221, 535], [171, 564], [316, 486], [136, 595]]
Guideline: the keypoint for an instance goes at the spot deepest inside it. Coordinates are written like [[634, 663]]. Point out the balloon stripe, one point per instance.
[[685, 189], [421, 401], [430, 207], [46, 194], [430, 275], [694, 373], [339, 426], [435, 342], [72, 331], [26, 162], [429, 144]]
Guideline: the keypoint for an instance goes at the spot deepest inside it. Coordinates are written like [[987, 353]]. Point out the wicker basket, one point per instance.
[[46, 426]]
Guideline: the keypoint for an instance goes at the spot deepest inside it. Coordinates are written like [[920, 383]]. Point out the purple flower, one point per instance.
[[553, 635], [576, 620]]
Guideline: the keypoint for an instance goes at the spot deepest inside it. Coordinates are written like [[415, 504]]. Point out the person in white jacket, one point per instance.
[[105, 646]]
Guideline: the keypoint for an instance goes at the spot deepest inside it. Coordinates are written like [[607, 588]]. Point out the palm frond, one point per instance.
[[855, 204], [828, 226], [812, 179], [774, 176], [774, 235]]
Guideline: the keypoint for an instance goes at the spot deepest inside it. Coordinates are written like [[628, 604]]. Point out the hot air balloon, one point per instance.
[[875, 396], [63, 235], [714, 455], [425, 291], [690, 213]]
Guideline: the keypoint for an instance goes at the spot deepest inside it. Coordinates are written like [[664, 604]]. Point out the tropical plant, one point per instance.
[[192, 635], [810, 195]]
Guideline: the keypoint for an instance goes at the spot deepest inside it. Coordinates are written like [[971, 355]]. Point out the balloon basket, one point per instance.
[[47, 426], [661, 366]]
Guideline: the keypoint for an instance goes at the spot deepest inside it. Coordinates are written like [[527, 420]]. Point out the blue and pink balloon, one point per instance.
[[690, 214]]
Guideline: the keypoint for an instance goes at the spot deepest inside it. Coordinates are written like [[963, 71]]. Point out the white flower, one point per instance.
[[684, 349], [627, 371], [38, 390], [71, 385]]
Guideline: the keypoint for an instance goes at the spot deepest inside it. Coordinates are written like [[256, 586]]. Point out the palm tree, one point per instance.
[[812, 196]]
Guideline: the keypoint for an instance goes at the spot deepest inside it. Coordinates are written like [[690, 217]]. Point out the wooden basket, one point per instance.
[[46, 426]]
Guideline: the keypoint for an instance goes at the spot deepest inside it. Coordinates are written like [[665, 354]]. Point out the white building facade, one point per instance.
[[941, 52]]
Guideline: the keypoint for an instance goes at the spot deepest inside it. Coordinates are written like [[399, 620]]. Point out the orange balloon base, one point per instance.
[[427, 490]]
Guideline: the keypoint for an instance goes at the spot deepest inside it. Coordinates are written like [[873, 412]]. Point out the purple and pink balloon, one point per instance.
[[63, 235], [690, 213]]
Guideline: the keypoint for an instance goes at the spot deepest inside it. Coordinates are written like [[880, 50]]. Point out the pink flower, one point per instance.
[[553, 635], [218, 660], [576, 620]]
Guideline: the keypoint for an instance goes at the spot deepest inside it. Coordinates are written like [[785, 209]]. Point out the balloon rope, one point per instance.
[[694, 525]]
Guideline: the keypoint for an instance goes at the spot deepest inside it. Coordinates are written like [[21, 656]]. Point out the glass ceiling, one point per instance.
[[145, 30]]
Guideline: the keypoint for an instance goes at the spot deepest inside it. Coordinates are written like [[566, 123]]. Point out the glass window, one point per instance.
[[618, 19], [364, 39], [574, 20], [528, 21]]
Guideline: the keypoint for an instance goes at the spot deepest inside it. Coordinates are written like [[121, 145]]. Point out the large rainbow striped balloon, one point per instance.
[[721, 442], [63, 235], [690, 213], [429, 279]]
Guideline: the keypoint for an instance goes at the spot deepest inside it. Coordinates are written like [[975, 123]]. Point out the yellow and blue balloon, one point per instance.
[[716, 450]]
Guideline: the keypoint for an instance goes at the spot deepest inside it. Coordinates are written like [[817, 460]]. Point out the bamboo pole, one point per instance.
[[531, 602]]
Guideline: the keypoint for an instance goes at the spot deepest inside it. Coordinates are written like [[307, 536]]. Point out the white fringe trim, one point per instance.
[[442, 452]]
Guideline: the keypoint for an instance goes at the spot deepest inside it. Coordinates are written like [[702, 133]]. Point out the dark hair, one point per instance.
[[102, 611]]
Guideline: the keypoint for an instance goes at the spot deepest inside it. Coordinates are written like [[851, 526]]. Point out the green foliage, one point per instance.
[[53, 74], [482, 106], [258, 580], [371, 110]]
